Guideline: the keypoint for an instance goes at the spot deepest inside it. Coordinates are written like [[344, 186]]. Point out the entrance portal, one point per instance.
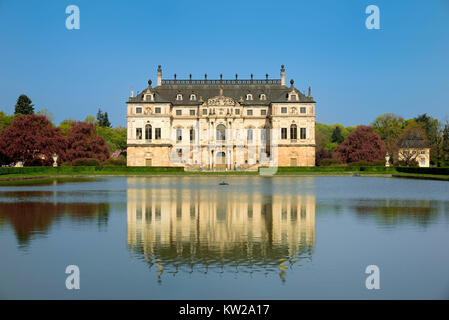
[[221, 161]]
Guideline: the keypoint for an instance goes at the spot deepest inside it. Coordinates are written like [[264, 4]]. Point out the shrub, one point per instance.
[[367, 164], [330, 162], [85, 162], [115, 162]]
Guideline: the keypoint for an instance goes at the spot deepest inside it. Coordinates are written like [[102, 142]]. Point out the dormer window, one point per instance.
[[293, 97], [149, 97], [193, 97], [179, 97], [263, 97], [249, 96]]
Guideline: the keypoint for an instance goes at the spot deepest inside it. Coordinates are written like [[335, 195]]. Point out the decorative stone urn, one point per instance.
[[55, 160], [387, 160]]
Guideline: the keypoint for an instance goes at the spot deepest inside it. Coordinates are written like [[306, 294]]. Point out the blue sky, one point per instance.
[[355, 73]]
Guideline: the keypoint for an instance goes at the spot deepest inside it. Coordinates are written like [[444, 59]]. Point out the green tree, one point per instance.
[[389, 127], [445, 144], [23, 105], [433, 132], [47, 113], [103, 119], [115, 137], [337, 136], [5, 121]]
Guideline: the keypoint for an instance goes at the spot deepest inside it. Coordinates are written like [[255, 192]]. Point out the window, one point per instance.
[[138, 133], [423, 152], [149, 97], [157, 110], [293, 132], [178, 112], [148, 132], [249, 112], [283, 133], [178, 134], [249, 96], [302, 133], [179, 96], [250, 135], [263, 112], [302, 110], [157, 133], [284, 110], [237, 111], [193, 97], [138, 110], [263, 97], [192, 112], [192, 134], [221, 132], [204, 112], [179, 151], [293, 97]]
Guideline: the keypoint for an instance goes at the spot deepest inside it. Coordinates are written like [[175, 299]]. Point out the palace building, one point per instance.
[[220, 124]]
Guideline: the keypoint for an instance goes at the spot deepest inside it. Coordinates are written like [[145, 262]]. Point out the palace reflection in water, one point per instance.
[[208, 230]]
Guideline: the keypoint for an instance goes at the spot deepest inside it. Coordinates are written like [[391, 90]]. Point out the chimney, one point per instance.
[[282, 75], [159, 75], [132, 93], [310, 91]]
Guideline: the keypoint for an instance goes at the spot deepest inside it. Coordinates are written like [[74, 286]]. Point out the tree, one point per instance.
[[389, 127], [103, 119], [83, 142], [33, 140], [445, 144], [5, 121], [65, 125], [47, 113], [115, 137], [337, 136], [363, 144], [432, 127], [23, 105]]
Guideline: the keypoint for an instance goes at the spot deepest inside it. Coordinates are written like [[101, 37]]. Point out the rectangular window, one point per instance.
[[302, 133], [237, 111], [138, 133], [293, 132], [192, 112], [284, 110], [138, 110], [249, 112], [178, 112], [263, 112], [204, 112], [157, 110], [192, 135], [250, 135], [157, 133], [293, 97], [302, 110], [283, 133], [178, 134]]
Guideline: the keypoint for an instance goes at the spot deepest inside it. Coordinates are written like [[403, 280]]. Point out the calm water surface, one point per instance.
[[257, 238]]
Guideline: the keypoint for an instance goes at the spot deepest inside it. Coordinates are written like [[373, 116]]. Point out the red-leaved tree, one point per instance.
[[362, 144], [33, 140], [83, 142]]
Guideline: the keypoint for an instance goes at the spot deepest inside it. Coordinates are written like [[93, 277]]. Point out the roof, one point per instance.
[[205, 89], [413, 141]]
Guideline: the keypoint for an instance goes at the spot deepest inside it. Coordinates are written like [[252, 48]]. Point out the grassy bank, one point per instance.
[[98, 171]]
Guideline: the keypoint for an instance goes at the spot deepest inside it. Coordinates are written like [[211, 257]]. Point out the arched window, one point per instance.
[[293, 132], [179, 96], [148, 132], [263, 96], [193, 97], [221, 132], [249, 96]]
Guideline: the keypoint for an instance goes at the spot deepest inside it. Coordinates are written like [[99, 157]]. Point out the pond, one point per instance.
[[255, 238]]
